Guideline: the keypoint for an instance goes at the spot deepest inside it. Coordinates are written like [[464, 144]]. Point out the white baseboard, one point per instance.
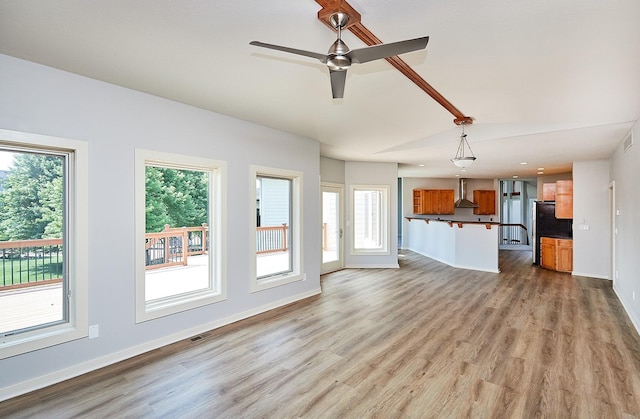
[[374, 266], [94, 364], [634, 321], [574, 273]]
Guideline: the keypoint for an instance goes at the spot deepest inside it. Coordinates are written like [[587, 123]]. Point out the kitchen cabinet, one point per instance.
[[548, 253], [433, 201], [446, 201], [417, 201], [564, 255], [486, 201], [556, 254], [564, 199], [549, 191]]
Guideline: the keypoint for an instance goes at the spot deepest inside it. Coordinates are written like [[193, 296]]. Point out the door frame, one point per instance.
[[613, 233], [339, 189]]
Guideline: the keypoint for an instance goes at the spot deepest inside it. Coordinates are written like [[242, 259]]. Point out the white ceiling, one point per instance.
[[547, 82]]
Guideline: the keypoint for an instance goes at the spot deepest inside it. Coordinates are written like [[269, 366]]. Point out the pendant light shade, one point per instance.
[[464, 156]]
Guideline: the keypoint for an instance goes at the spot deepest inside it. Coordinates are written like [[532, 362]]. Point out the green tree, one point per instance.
[[176, 197], [31, 198]]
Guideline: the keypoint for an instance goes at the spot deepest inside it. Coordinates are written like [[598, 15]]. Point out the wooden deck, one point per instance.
[[26, 307], [423, 341]]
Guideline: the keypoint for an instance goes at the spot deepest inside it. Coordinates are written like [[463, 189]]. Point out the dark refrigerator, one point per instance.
[[545, 224]]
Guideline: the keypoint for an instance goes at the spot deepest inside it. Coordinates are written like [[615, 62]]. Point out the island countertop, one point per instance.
[[451, 223]]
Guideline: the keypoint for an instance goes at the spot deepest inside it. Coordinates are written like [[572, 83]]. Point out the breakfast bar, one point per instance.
[[461, 244]]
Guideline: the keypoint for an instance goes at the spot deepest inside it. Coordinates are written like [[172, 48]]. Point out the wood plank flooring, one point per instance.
[[423, 341]]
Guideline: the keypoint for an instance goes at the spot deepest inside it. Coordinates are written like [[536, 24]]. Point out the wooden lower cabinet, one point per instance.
[[556, 254], [548, 253], [564, 255]]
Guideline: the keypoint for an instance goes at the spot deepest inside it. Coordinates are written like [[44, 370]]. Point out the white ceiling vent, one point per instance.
[[628, 142]]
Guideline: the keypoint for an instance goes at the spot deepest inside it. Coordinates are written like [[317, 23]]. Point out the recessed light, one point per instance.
[[541, 173], [457, 175], [515, 176], [421, 165], [523, 162], [540, 168]]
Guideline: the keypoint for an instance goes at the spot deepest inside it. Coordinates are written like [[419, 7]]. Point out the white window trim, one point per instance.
[[295, 238], [384, 228], [77, 244], [217, 234]]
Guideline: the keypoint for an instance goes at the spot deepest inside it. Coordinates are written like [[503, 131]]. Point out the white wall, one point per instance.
[[359, 173], [114, 121], [591, 219], [332, 170], [625, 173]]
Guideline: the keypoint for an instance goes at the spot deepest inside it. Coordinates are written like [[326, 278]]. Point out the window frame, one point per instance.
[[76, 242], [295, 236], [384, 220], [217, 290]]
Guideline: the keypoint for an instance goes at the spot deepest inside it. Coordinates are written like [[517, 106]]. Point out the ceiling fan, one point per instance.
[[340, 57]]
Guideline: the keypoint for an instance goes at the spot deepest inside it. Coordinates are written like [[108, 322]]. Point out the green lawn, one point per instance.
[[21, 271]]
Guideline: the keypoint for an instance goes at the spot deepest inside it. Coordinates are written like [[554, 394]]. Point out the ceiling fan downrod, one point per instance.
[[337, 60]]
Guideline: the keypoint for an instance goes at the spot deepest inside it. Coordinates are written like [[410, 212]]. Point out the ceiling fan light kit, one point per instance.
[[463, 159]]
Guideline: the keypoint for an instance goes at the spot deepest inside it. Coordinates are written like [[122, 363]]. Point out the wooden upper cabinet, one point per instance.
[[417, 202], [549, 191], [564, 199], [433, 201], [446, 201], [486, 201]]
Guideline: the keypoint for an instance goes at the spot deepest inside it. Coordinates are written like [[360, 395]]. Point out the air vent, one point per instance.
[[628, 142], [195, 338]]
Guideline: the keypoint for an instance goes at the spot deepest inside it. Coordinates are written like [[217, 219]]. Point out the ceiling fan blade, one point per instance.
[[321, 57], [375, 52], [337, 83]]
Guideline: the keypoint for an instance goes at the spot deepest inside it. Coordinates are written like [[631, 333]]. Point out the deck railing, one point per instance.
[[271, 239], [166, 248], [26, 262]]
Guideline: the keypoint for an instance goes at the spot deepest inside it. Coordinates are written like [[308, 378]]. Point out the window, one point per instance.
[[43, 241], [370, 234], [179, 233], [278, 220]]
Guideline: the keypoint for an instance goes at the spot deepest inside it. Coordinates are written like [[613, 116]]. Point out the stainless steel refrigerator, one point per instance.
[[545, 224]]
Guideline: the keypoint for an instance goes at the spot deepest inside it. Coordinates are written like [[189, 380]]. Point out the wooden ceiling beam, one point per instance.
[[355, 25]]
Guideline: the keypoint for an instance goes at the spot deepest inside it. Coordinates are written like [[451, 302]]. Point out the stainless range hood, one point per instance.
[[462, 201]]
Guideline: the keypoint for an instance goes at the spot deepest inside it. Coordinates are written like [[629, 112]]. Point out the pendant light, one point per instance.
[[463, 158]]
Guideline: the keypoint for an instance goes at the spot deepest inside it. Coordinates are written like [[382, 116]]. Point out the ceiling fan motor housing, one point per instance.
[[337, 58]]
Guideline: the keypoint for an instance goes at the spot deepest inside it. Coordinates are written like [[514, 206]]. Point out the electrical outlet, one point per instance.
[[94, 331]]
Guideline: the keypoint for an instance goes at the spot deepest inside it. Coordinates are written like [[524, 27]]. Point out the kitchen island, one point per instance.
[[461, 244]]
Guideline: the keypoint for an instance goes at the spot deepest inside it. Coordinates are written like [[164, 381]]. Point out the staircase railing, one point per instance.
[[513, 234]]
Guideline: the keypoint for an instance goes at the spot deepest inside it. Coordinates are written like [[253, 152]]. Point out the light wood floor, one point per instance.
[[423, 341]]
